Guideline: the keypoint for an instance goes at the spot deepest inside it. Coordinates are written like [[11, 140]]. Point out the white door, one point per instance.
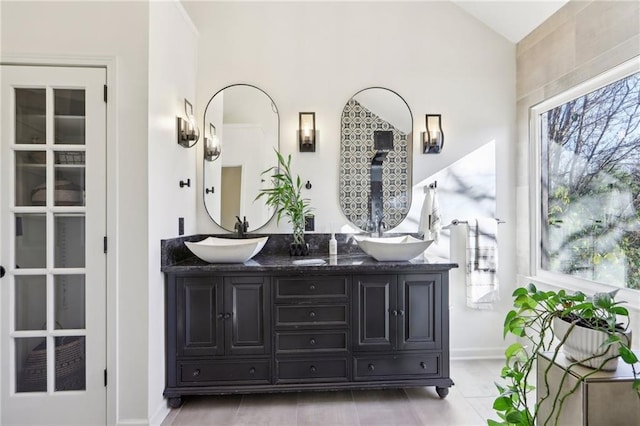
[[53, 222]]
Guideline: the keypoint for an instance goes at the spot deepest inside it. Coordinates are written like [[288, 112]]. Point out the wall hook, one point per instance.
[[308, 185], [187, 183]]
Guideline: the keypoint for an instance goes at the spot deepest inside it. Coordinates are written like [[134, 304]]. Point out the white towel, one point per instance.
[[430, 223], [482, 263]]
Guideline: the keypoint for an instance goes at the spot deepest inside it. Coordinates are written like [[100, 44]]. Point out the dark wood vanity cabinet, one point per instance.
[[218, 332], [398, 312], [288, 331]]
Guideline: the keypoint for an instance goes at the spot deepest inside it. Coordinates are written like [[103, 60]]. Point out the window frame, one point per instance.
[[537, 274]]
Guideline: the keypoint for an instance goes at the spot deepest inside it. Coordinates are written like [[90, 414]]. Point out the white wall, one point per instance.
[[172, 73], [313, 56], [117, 31]]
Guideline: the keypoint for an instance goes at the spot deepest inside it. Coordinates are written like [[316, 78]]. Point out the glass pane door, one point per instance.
[[54, 334]]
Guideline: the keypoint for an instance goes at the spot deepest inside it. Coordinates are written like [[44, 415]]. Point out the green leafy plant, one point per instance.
[[531, 321], [286, 197]]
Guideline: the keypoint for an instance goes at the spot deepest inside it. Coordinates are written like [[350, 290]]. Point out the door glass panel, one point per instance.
[[69, 301], [69, 178], [31, 107], [31, 364], [69, 240], [70, 363], [31, 178], [31, 302], [69, 110], [31, 240]]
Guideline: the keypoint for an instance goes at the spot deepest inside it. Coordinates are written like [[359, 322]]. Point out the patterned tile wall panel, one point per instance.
[[356, 152]]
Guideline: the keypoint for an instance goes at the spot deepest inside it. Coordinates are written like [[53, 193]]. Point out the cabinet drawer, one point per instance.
[[312, 315], [256, 371], [311, 287], [383, 367], [291, 342], [300, 370]]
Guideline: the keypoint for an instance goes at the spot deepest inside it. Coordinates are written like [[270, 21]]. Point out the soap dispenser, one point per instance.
[[333, 245]]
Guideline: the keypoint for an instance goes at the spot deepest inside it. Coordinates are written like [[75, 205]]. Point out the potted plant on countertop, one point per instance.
[[286, 198], [541, 316]]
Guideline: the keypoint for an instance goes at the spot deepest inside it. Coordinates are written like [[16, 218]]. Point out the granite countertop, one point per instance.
[[340, 263], [176, 258]]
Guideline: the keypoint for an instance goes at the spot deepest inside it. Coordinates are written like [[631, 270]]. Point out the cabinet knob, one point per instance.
[[220, 316], [423, 365], [371, 367], [312, 341], [227, 316], [313, 369], [401, 312], [394, 312], [252, 370], [312, 287], [196, 372], [2, 271], [312, 314]]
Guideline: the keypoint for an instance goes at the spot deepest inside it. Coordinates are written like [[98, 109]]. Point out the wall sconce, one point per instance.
[[433, 138], [212, 146], [188, 132], [307, 132]]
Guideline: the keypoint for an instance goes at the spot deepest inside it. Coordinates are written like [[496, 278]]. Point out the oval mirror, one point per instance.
[[375, 159], [241, 126]]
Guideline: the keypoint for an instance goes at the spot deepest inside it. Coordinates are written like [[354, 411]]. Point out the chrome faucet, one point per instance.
[[241, 227], [377, 225]]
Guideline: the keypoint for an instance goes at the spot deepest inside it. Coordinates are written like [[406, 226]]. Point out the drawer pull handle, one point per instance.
[[312, 314], [371, 367], [423, 365], [312, 287], [196, 372], [312, 341], [313, 369], [252, 370]]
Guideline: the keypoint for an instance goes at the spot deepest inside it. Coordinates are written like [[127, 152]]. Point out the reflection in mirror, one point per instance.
[[243, 131], [375, 159]]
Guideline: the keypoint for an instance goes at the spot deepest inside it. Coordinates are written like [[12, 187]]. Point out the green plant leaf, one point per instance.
[[494, 423], [520, 291], [532, 288], [502, 403], [515, 417], [513, 349], [627, 355]]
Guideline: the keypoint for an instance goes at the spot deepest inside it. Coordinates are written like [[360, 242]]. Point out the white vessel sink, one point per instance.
[[392, 248], [226, 250]]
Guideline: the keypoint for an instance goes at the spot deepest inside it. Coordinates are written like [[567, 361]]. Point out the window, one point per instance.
[[588, 180]]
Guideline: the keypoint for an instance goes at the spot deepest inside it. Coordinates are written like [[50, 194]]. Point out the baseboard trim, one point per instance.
[[476, 353], [161, 413]]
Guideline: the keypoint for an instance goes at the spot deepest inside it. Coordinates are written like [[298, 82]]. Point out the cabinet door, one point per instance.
[[247, 315], [200, 316], [374, 323], [419, 310]]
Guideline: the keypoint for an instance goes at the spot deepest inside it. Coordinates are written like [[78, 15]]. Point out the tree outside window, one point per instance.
[[590, 185]]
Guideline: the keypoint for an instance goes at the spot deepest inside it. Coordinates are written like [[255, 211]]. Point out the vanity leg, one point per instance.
[[442, 392], [174, 402]]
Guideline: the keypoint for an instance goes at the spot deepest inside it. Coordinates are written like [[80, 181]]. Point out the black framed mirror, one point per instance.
[[375, 159], [245, 130]]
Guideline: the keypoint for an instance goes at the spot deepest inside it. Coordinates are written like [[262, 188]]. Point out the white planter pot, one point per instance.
[[583, 343]]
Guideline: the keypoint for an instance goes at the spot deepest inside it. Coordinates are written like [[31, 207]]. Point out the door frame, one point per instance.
[[111, 183]]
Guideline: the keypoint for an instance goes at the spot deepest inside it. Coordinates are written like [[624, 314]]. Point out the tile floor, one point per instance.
[[469, 403]]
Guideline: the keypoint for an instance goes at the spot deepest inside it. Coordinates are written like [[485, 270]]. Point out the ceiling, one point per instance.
[[513, 19]]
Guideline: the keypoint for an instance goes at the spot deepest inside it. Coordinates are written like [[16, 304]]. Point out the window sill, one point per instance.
[[632, 297]]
